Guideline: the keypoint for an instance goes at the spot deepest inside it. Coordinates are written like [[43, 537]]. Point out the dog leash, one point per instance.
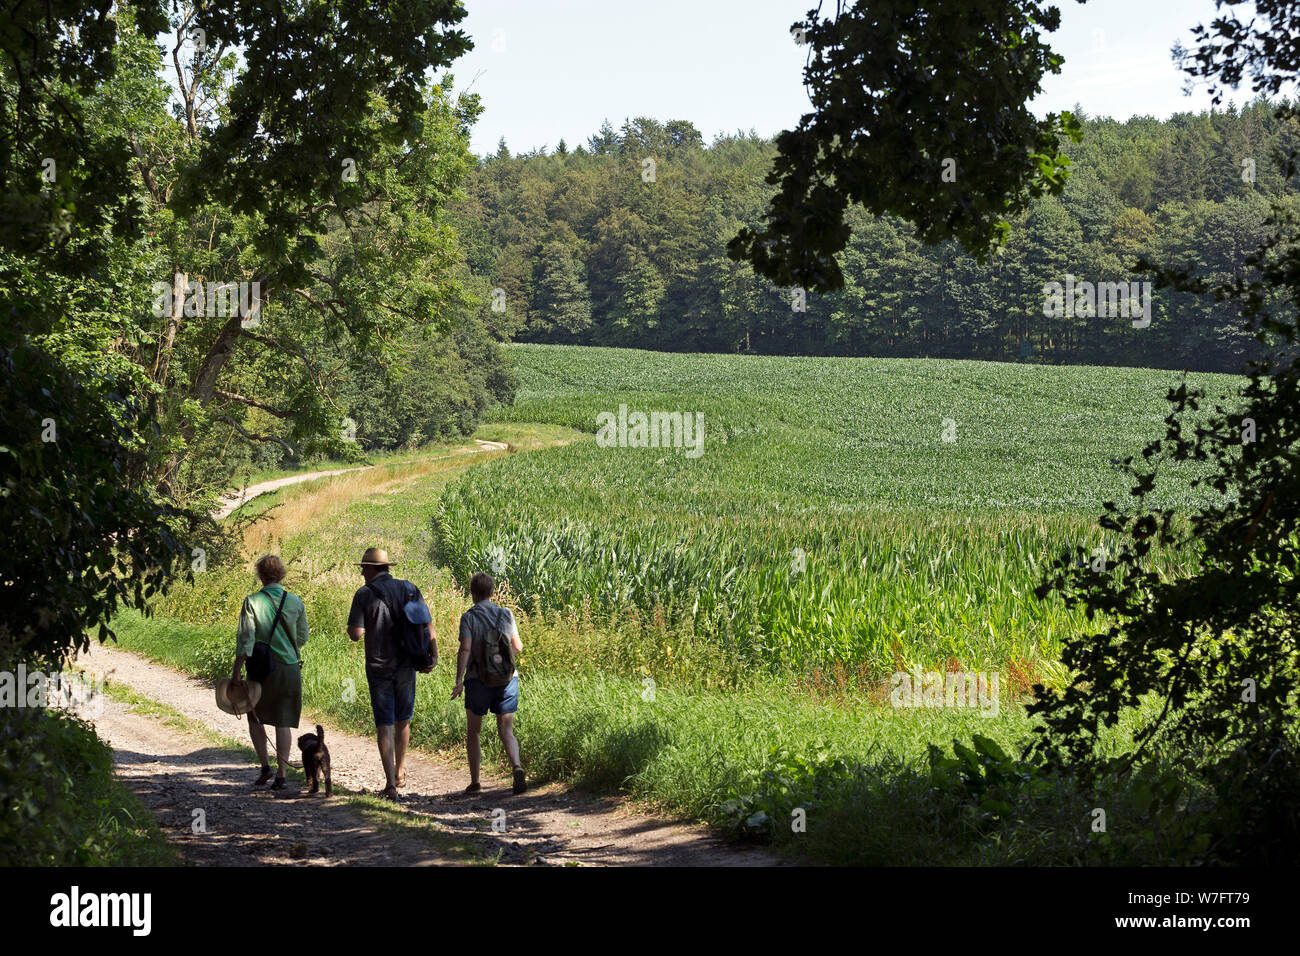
[[270, 738]]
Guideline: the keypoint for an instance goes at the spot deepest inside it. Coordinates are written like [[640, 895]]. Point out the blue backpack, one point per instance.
[[412, 617]]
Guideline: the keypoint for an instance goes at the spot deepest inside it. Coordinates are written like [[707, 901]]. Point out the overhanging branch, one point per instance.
[[244, 399], [252, 436]]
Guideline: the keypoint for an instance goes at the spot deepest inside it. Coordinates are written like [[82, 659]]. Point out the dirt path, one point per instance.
[[175, 773], [233, 500], [185, 781]]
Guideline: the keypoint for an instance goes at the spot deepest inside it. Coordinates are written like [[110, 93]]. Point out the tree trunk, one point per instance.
[[162, 361]]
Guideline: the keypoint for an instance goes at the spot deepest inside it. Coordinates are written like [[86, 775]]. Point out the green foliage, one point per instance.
[[1229, 50], [436, 389], [993, 781], [113, 180], [86, 536], [286, 173], [787, 783], [328, 203], [86, 540], [53, 55], [59, 802], [1148, 818], [561, 301], [235, 185], [1216, 644], [898, 89]]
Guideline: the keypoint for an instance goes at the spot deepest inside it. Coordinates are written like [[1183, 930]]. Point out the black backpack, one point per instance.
[[496, 656], [411, 616]]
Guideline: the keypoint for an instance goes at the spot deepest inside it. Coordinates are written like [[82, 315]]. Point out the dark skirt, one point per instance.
[[281, 703]]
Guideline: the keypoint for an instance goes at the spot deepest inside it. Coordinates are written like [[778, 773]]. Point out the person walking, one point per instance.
[[376, 616], [272, 631], [481, 623]]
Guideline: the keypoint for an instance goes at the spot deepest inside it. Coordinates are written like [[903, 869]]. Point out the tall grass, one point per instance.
[[876, 592]]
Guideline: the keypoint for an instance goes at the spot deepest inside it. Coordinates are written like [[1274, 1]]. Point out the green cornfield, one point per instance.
[[859, 515]]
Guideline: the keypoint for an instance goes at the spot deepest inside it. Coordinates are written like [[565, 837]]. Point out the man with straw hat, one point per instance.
[[375, 615]]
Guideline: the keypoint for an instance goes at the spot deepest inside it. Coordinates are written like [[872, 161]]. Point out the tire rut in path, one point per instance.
[[552, 824]]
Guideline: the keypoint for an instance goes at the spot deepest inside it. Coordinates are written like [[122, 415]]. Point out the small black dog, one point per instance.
[[316, 760]]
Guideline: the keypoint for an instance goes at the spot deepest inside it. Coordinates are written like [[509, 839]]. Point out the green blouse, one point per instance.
[[255, 619]]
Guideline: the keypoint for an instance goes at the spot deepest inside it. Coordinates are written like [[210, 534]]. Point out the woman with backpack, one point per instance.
[[272, 631]]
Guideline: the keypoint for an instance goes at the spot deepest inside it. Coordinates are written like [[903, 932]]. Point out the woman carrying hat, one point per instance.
[[274, 617]]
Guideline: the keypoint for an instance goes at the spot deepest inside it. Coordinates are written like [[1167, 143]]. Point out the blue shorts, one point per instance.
[[479, 698], [392, 695]]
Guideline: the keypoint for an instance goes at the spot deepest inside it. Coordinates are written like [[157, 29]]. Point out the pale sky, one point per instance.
[[552, 69]]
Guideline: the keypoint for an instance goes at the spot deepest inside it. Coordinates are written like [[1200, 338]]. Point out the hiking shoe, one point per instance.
[[279, 783], [390, 794], [266, 775], [472, 788], [520, 784]]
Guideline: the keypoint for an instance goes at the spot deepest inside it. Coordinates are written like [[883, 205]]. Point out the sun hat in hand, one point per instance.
[[238, 699]]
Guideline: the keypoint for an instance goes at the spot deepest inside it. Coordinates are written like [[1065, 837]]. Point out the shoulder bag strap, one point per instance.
[[275, 622]]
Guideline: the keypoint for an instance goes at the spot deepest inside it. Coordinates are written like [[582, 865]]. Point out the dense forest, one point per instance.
[[623, 241]]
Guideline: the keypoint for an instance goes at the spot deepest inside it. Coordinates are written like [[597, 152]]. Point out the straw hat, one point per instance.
[[376, 556], [238, 700]]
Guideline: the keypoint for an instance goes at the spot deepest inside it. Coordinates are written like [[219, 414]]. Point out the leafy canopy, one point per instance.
[[903, 92]]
